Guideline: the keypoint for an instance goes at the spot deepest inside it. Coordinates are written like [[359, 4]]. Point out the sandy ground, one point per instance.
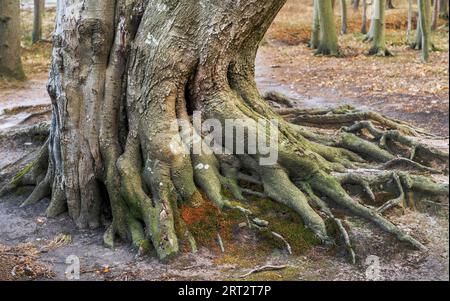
[[292, 70]]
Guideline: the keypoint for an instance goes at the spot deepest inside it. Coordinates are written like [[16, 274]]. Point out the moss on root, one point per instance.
[[205, 222], [286, 222], [24, 171]]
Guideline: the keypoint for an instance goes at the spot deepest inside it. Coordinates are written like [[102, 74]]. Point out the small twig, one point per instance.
[[288, 246], [254, 193], [265, 269], [250, 179], [435, 203], [17, 254], [411, 163], [220, 242]]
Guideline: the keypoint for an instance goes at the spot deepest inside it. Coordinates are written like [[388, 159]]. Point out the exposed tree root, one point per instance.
[[326, 51], [323, 207], [344, 115], [141, 218], [279, 98], [381, 52]]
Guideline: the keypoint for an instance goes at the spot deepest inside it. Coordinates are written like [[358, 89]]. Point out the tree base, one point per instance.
[[381, 52], [112, 150], [230, 181], [327, 51]]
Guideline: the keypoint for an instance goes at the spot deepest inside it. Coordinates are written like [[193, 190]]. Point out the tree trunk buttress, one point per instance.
[[110, 63]]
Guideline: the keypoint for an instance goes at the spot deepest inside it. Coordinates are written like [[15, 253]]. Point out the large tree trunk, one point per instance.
[[10, 61], [38, 16], [127, 87]]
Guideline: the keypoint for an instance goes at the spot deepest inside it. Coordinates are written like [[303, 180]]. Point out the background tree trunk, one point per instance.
[[38, 16], [390, 4], [417, 44], [370, 33], [424, 14], [379, 32], [409, 26], [364, 17], [315, 33], [436, 11], [10, 61], [328, 35], [444, 9], [343, 17]]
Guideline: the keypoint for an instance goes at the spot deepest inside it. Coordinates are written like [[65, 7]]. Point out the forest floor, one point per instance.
[[34, 247]]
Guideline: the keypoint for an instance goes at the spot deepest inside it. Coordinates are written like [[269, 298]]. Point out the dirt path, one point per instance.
[[33, 93], [98, 263], [400, 88]]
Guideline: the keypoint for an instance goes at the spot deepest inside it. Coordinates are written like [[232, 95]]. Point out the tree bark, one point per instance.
[[379, 30], [370, 33], [38, 16], [364, 17], [424, 16], [417, 44], [328, 35], [409, 26], [444, 9], [436, 11], [423, 30], [390, 4], [315, 33], [10, 61], [343, 17]]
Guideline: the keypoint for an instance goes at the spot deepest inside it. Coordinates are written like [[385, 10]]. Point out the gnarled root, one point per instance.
[[149, 181]]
